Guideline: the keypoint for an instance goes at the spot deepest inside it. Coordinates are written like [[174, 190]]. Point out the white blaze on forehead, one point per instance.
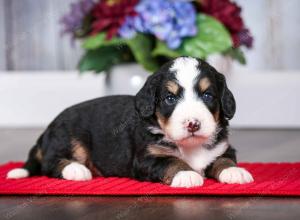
[[186, 72]]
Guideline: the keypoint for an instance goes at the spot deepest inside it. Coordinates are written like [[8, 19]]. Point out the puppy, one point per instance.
[[174, 131]]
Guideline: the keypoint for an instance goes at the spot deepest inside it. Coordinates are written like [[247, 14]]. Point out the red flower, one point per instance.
[[109, 16], [243, 37], [229, 13]]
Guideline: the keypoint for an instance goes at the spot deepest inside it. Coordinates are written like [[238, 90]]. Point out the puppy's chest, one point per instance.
[[200, 158]]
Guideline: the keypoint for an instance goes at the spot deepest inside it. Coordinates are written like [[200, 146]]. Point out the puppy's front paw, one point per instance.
[[187, 179], [235, 175], [76, 171]]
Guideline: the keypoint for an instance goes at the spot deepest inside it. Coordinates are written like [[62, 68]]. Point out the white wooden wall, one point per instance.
[[2, 37], [276, 28], [30, 35]]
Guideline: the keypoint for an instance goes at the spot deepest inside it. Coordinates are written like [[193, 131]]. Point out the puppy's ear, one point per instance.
[[145, 99], [227, 100]]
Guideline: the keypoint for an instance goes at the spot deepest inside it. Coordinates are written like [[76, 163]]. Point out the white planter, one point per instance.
[[129, 78], [125, 79], [221, 63]]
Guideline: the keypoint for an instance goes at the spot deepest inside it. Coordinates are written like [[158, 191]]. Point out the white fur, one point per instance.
[[235, 175], [155, 130], [187, 179], [76, 171], [199, 158], [190, 107], [186, 71], [17, 173]]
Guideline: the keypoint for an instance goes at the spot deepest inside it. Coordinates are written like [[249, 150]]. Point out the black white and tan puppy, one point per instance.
[[174, 131]]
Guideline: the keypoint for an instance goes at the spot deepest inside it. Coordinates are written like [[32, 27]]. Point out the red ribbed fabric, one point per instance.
[[271, 179]]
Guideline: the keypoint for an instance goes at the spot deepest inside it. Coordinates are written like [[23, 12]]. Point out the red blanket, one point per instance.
[[270, 179]]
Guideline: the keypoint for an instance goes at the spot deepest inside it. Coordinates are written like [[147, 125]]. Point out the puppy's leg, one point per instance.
[[168, 170], [225, 169], [70, 163]]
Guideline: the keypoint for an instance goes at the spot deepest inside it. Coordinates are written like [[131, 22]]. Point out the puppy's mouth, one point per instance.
[[192, 140]]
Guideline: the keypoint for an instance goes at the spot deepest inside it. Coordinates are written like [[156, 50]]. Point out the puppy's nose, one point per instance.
[[193, 126]]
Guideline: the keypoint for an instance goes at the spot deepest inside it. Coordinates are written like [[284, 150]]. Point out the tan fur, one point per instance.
[[39, 155], [81, 155], [176, 166], [204, 84], [172, 87], [79, 152], [162, 121], [217, 116], [219, 165], [62, 164], [161, 151]]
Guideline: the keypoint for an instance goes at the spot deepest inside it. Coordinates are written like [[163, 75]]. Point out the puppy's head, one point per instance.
[[188, 98]]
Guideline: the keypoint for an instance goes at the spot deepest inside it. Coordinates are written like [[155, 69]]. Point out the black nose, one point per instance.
[[193, 126]]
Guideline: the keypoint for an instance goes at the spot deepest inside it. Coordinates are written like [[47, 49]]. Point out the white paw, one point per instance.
[[187, 179], [76, 171], [235, 175], [17, 173]]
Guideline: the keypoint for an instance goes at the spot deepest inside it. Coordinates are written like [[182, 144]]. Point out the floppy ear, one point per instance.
[[227, 100], [145, 99]]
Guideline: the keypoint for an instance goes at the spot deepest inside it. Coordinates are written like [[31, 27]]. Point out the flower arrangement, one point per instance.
[[151, 32]]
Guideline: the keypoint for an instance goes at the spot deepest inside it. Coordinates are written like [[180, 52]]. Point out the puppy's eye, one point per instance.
[[207, 97], [171, 99]]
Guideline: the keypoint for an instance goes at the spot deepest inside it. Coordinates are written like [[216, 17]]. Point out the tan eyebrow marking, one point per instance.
[[172, 87], [204, 84]]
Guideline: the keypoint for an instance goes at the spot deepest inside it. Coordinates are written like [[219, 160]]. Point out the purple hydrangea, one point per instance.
[[127, 30], [168, 20], [73, 21]]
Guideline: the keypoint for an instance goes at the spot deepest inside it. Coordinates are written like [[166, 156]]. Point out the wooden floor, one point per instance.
[[252, 145]]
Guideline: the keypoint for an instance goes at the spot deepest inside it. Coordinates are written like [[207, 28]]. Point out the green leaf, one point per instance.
[[94, 42], [162, 49], [212, 37], [100, 59], [141, 47], [100, 40], [236, 54]]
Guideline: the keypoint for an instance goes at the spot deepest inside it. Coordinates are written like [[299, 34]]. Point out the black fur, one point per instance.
[[227, 99]]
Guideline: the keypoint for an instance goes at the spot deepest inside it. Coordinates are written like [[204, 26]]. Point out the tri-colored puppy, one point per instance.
[[174, 131]]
